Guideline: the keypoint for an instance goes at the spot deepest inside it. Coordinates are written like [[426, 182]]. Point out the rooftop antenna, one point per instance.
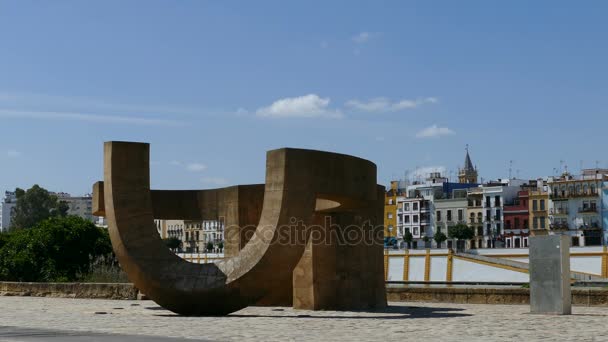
[[510, 168], [561, 165], [597, 164]]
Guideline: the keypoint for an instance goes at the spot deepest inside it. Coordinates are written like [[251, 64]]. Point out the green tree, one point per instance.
[[439, 238], [209, 246], [408, 237], [461, 232], [56, 249], [220, 245], [35, 205], [173, 243]]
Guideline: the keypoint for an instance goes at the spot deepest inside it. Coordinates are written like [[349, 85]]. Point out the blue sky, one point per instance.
[[213, 85]]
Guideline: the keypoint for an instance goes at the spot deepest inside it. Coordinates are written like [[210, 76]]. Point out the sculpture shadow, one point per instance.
[[396, 313]]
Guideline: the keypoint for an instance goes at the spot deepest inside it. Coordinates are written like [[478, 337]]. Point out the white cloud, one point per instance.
[[307, 106], [434, 131], [241, 112], [175, 163], [13, 154], [196, 167], [383, 104], [217, 181], [362, 37], [94, 118]]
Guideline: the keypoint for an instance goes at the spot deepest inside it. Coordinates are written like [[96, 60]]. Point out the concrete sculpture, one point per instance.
[[314, 234]]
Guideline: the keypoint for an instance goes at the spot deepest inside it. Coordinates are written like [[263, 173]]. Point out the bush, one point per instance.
[[104, 269], [57, 249]]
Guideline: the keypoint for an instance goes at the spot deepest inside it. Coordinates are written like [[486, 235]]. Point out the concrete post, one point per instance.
[[550, 275]]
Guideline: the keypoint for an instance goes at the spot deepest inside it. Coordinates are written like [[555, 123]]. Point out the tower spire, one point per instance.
[[468, 174]]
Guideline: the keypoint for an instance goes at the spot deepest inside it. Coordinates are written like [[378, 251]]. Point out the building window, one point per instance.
[[460, 215], [390, 201], [516, 223], [438, 215], [406, 206], [415, 206], [488, 201], [406, 218], [535, 223], [542, 222], [497, 201], [498, 214], [542, 204], [449, 215], [390, 215], [415, 219], [534, 205]]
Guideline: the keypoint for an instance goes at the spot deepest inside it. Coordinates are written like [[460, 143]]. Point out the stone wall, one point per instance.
[[70, 290]]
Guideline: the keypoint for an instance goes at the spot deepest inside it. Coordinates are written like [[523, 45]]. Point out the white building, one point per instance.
[[450, 212], [195, 235], [6, 207], [575, 206], [78, 206], [413, 215], [494, 196]]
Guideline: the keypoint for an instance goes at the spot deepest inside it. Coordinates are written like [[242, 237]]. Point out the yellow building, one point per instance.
[[539, 212], [390, 209]]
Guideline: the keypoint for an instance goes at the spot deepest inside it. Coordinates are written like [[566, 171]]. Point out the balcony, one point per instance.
[[564, 195], [587, 210], [559, 226], [559, 211], [589, 226], [559, 196], [588, 193], [425, 209], [539, 210]]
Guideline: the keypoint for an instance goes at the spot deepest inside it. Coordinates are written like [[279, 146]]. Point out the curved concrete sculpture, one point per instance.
[[294, 257]]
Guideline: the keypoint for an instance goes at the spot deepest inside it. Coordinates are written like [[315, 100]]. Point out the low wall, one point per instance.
[[395, 293], [474, 295], [70, 290]]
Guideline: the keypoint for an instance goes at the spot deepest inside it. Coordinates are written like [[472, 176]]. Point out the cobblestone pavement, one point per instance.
[[400, 322]]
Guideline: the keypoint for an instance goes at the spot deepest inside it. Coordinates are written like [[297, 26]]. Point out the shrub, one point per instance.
[[104, 269], [56, 249]]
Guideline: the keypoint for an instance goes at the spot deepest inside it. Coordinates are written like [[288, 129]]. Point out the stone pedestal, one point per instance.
[[550, 275]]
